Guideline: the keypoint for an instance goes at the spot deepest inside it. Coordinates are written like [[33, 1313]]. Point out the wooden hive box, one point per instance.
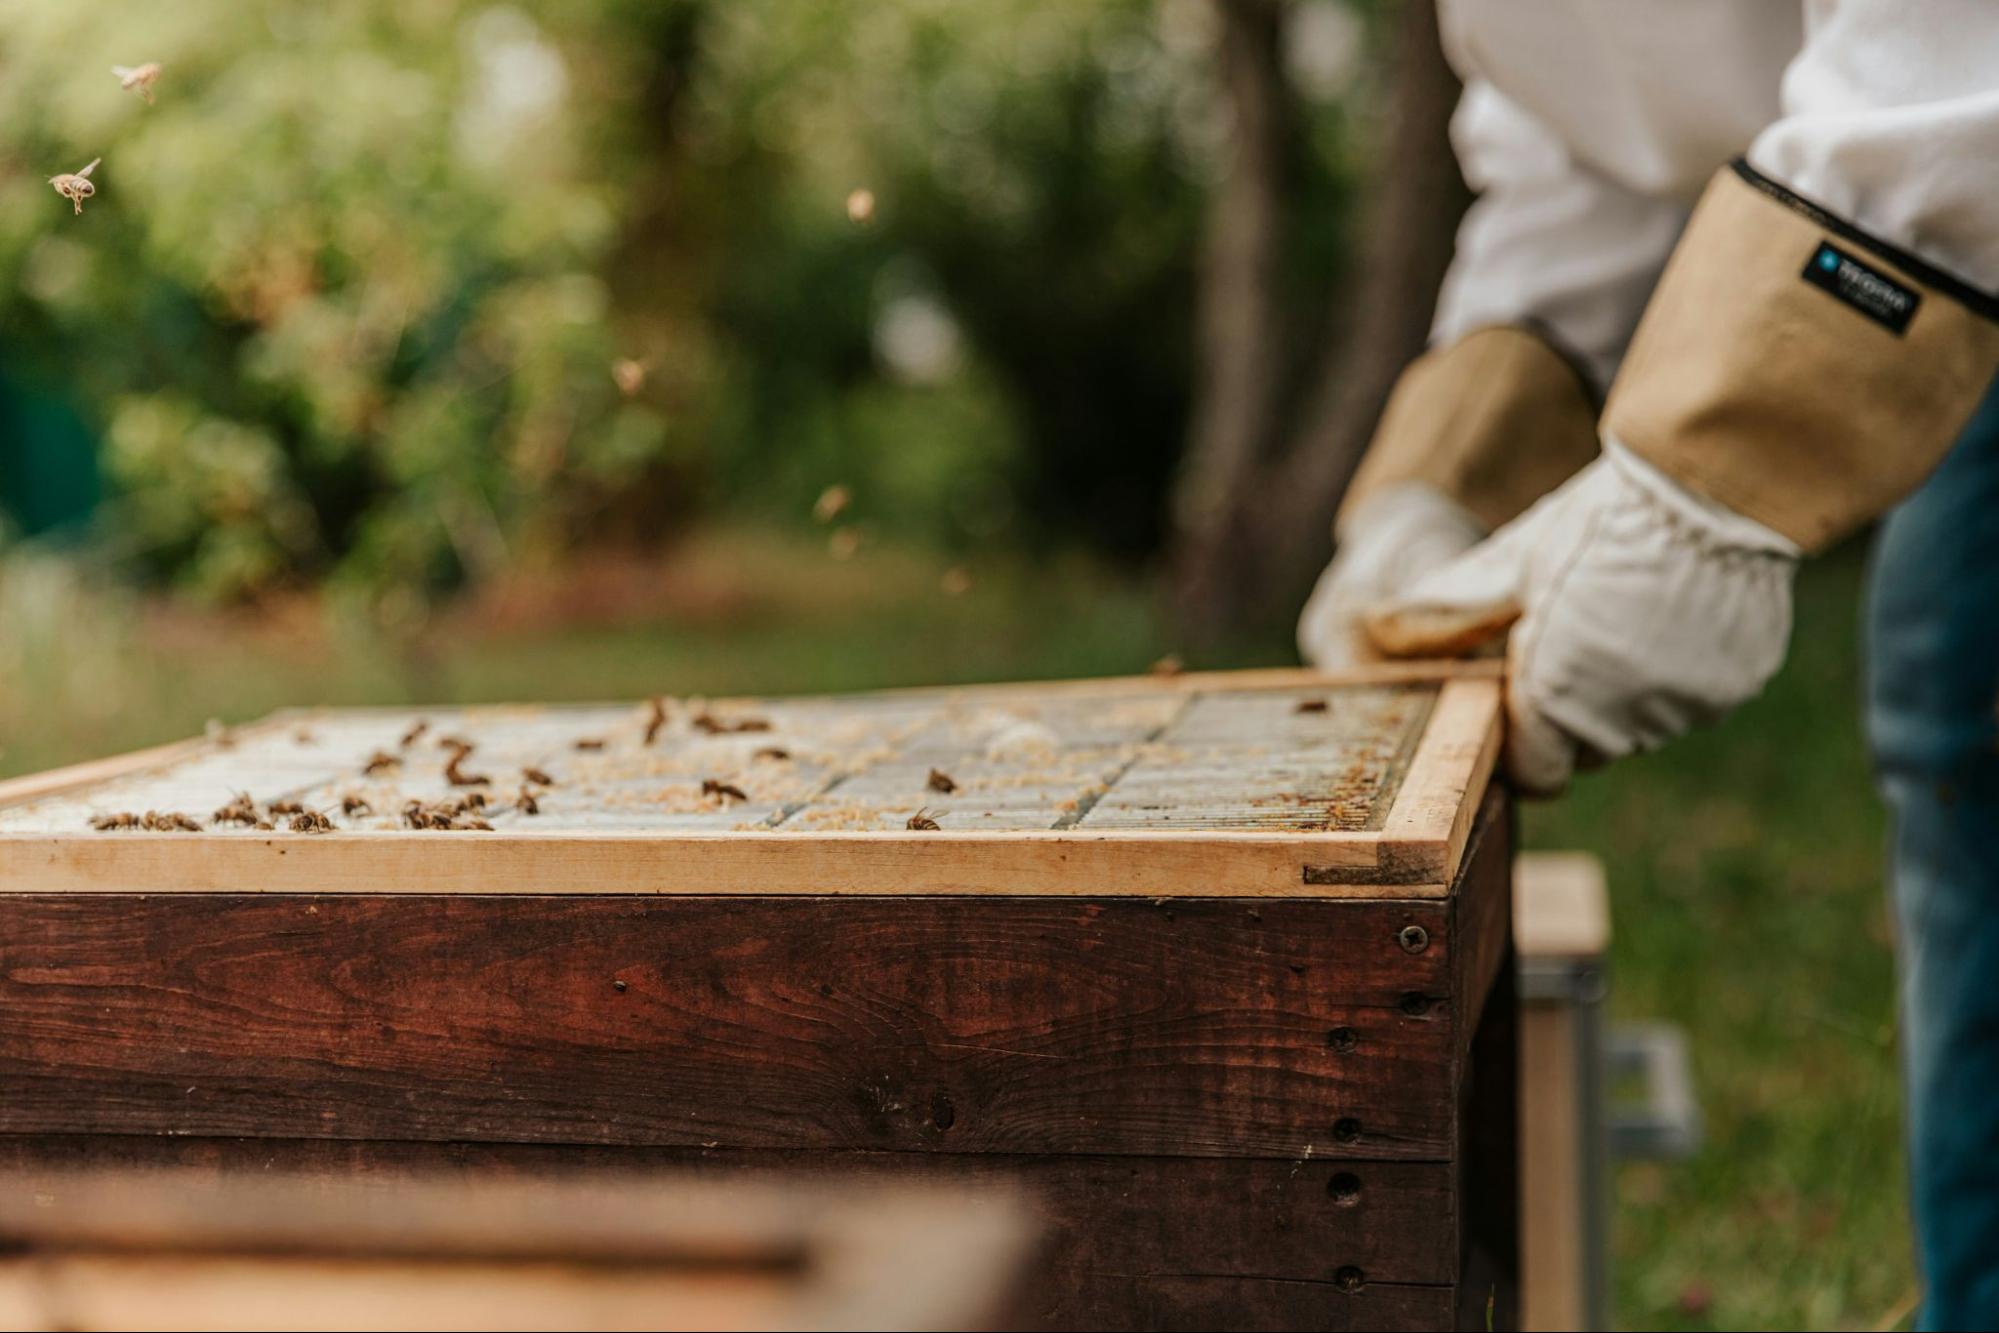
[[1217, 966]]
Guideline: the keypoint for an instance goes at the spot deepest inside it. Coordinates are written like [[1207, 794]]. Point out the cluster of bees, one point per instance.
[[468, 810]]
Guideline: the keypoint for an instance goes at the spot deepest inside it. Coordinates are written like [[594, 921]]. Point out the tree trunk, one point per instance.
[[1257, 496], [1238, 320]]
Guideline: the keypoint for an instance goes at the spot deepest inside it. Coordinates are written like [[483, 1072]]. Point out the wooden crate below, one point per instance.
[[154, 1246]]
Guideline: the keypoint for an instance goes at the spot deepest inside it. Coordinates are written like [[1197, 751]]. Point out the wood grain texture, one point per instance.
[[1201, 1027], [1097, 1217], [1198, 1303], [1146, 865], [1481, 913], [1423, 839]]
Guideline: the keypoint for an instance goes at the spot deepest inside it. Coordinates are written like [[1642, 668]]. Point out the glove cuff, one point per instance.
[[1494, 420], [1797, 370]]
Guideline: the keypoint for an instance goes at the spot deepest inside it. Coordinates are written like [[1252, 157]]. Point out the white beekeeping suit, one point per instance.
[[1770, 231]]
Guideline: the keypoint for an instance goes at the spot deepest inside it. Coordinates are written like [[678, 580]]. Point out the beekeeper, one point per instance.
[[1727, 296]]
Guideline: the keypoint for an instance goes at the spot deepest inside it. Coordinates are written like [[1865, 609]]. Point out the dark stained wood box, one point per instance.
[[1217, 966]]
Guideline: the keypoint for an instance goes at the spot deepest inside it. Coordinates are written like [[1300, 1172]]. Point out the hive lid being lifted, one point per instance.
[[1240, 783]]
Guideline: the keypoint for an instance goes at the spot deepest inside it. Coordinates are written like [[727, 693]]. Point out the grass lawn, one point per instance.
[[1745, 862]]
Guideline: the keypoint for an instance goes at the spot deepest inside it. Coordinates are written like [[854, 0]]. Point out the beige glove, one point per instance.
[[1642, 610], [1388, 540]]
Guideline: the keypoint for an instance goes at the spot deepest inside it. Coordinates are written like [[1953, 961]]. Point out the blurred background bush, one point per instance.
[[349, 301], [441, 349]]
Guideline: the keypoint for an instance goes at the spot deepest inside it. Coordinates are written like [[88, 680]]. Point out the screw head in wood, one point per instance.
[[1346, 1129], [1350, 1278], [1415, 1004], [1413, 939], [1343, 1040]]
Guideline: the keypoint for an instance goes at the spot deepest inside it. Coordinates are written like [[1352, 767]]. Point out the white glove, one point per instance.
[[1642, 609], [1384, 546]]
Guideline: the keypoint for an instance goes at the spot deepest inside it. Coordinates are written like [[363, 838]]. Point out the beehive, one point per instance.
[[1206, 961]]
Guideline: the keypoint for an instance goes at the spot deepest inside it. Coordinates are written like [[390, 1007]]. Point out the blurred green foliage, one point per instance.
[[337, 305], [347, 301]]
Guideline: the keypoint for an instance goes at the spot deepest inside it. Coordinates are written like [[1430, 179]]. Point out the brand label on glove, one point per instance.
[[1862, 286]]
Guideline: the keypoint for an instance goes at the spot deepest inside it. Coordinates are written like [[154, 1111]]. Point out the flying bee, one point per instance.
[[921, 822], [75, 186], [138, 78], [724, 792], [940, 781]]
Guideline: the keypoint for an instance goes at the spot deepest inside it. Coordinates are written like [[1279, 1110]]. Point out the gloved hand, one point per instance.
[[1642, 609], [1393, 537]]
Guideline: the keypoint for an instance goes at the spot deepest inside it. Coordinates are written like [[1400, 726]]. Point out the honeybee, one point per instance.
[[538, 776], [458, 777], [169, 822], [709, 724], [311, 821], [1168, 666], [381, 762], [629, 374], [355, 805], [420, 816], [723, 791], [590, 744], [940, 781], [415, 733], [242, 810], [75, 186], [773, 752], [655, 719], [138, 78], [526, 803], [123, 820], [1310, 706], [921, 822], [285, 808]]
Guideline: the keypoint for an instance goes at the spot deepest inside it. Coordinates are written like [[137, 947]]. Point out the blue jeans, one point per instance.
[[1933, 722]]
